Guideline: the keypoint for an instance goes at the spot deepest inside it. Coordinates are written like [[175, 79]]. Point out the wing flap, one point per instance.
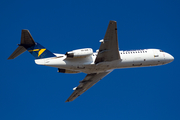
[[86, 83]]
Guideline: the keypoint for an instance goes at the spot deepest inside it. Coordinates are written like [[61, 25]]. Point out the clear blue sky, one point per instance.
[[31, 92]]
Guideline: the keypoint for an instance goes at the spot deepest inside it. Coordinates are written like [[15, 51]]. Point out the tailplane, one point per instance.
[[28, 43]]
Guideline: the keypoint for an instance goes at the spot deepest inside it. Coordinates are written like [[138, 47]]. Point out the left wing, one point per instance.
[[109, 49], [85, 84]]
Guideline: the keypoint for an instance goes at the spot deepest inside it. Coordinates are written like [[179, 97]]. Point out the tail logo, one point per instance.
[[40, 51]]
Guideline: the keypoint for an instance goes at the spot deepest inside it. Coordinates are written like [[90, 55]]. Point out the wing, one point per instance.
[[109, 49], [85, 84]]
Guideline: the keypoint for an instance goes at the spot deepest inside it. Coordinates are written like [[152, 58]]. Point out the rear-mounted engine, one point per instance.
[[66, 71], [79, 53]]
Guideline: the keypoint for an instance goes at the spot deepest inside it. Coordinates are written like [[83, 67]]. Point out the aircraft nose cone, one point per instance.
[[169, 58], [172, 58]]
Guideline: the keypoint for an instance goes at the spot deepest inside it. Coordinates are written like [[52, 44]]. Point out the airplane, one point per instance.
[[95, 64]]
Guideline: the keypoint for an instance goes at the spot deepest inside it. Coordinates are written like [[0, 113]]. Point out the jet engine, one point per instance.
[[66, 71], [79, 53]]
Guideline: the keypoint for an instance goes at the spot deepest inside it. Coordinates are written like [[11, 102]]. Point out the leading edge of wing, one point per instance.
[[86, 83]]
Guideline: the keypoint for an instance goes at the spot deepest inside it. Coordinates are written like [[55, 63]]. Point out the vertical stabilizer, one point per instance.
[[38, 51], [28, 43]]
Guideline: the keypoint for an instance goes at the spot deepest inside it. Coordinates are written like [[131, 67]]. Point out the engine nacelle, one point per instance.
[[67, 71], [79, 53]]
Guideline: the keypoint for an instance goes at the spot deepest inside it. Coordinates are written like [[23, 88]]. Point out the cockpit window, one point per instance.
[[161, 51]]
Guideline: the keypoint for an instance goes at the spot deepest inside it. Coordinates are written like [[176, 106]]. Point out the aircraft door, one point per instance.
[[156, 57]]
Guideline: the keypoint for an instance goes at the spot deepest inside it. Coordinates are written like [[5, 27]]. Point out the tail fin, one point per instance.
[[28, 43], [38, 51]]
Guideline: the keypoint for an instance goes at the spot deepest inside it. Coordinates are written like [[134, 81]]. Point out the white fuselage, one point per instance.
[[129, 59]]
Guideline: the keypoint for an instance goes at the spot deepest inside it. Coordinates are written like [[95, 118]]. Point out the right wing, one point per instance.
[[109, 49], [85, 84]]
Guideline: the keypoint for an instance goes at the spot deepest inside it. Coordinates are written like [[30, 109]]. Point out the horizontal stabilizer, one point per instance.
[[26, 39], [17, 52], [26, 42]]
